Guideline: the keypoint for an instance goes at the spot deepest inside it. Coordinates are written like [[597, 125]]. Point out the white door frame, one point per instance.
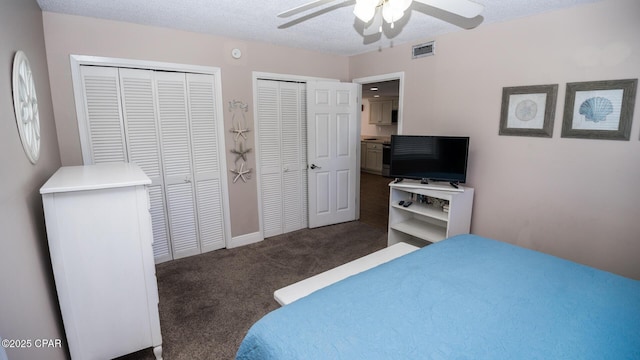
[[80, 60], [371, 79], [258, 75], [386, 77]]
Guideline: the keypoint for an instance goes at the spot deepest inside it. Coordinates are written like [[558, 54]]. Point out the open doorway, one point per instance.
[[390, 86], [381, 118]]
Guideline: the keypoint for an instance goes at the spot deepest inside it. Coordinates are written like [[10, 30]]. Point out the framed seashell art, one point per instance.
[[599, 109], [528, 110]]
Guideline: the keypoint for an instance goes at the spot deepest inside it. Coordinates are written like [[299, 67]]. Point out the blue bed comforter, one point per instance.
[[466, 297]]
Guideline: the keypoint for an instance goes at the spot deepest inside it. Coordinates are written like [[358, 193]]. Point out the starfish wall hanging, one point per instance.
[[241, 173], [241, 153], [239, 132], [237, 104]]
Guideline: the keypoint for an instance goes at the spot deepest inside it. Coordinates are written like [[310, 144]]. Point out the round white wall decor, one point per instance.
[[236, 53], [25, 103]]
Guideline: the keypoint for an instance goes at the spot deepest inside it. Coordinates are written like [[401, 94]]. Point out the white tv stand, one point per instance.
[[432, 185], [422, 222]]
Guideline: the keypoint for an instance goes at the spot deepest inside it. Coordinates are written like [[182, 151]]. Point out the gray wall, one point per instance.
[[574, 198], [569, 214], [79, 35], [28, 301]]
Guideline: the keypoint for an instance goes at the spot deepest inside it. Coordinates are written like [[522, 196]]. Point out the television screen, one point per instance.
[[438, 158]]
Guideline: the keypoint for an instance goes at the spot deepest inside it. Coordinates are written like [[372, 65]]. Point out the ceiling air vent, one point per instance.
[[422, 50]]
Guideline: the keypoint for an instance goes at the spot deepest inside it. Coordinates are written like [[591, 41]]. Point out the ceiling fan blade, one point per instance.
[[301, 8], [464, 8], [454, 19], [316, 13]]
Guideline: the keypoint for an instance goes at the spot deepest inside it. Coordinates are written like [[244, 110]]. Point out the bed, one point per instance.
[[466, 297]]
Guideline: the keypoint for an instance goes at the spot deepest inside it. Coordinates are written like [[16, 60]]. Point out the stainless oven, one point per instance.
[[386, 159]]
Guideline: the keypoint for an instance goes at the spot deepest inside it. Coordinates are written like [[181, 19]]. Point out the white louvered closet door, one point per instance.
[[168, 123], [303, 158], [281, 127], [206, 162], [268, 117], [173, 119], [293, 150], [143, 147], [103, 114]]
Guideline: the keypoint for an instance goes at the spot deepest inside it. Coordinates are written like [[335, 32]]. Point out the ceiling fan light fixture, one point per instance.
[[393, 10], [374, 13], [365, 9]]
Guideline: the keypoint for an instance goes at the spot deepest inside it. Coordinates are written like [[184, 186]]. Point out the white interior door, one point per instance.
[[332, 143]]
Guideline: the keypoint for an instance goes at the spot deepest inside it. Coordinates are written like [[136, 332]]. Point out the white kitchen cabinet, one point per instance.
[[380, 112], [373, 161], [100, 241]]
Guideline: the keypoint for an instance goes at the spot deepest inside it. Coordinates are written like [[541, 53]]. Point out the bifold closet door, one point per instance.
[[293, 117], [191, 155], [268, 130], [191, 162], [121, 116], [143, 148], [166, 122], [281, 126], [103, 114], [207, 173], [173, 119]]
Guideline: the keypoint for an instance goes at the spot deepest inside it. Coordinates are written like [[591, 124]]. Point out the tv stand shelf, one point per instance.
[[423, 209], [421, 222], [421, 230]]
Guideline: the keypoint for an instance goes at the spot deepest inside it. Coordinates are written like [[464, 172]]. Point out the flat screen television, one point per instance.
[[437, 158]]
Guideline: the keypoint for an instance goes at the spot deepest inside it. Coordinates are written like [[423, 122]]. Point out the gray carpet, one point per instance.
[[209, 301]]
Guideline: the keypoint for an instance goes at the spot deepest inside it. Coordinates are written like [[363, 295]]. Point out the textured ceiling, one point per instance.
[[384, 89], [333, 29]]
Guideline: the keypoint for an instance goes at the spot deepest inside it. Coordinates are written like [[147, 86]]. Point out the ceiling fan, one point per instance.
[[373, 13]]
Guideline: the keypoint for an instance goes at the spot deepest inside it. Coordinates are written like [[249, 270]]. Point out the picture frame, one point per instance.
[[528, 110], [599, 109]]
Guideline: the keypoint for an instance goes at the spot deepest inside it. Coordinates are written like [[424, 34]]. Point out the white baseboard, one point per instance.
[[245, 239]]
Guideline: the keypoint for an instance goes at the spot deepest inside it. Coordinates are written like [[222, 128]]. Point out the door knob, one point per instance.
[[314, 166]]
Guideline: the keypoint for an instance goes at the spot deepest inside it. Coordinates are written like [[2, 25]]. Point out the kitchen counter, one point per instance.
[[376, 139]]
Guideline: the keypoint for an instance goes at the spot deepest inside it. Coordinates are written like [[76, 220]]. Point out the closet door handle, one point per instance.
[[314, 166]]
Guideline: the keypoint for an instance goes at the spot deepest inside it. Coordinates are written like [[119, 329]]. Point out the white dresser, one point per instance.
[[100, 237]]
